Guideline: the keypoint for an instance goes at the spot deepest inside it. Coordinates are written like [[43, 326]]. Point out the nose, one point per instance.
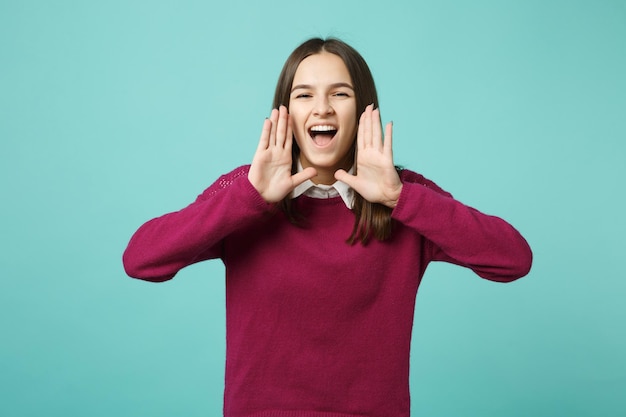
[[322, 106]]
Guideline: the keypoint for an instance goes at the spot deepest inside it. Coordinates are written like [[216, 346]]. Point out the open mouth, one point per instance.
[[322, 134]]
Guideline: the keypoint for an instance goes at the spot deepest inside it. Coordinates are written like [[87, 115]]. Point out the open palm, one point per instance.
[[376, 178], [270, 171]]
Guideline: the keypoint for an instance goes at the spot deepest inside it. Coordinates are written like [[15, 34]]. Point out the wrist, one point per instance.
[[392, 202]]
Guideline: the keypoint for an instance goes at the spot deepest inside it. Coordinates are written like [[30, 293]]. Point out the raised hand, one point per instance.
[[270, 171], [376, 177]]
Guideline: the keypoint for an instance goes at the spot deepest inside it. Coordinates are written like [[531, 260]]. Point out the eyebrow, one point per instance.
[[308, 86]]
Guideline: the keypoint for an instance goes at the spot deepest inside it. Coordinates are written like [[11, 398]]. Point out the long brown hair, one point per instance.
[[371, 219]]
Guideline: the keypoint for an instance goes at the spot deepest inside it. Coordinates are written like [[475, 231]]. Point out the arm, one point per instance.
[[488, 245], [166, 244]]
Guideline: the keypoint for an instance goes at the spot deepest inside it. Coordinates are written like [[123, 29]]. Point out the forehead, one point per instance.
[[322, 68]]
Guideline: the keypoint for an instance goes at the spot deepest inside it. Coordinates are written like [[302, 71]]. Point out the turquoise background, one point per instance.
[[114, 112]]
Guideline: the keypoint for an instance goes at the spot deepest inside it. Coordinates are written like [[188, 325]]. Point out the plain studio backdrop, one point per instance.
[[114, 112]]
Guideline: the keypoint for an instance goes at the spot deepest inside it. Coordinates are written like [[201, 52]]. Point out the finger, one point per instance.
[[377, 134], [340, 173], [274, 120], [343, 176], [289, 136], [387, 144], [281, 128], [265, 134], [305, 174], [360, 135], [367, 130]]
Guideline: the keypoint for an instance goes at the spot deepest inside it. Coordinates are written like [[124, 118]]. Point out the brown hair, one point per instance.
[[371, 219]]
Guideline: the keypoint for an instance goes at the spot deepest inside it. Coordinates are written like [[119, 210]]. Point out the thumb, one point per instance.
[[305, 174], [343, 176]]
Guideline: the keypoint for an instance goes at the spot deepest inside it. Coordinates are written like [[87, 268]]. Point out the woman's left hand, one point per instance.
[[376, 177]]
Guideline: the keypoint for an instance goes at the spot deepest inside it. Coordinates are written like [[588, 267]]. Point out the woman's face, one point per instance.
[[322, 106]]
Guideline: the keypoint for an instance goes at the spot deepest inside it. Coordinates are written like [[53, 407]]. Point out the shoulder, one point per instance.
[[410, 177], [231, 177], [225, 181]]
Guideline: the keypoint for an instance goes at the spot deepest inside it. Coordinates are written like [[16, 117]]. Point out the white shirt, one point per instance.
[[310, 189]]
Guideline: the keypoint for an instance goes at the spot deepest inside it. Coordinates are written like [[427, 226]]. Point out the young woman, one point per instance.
[[325, 242]]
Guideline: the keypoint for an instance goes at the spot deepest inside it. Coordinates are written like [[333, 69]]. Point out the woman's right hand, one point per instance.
[[270, 171]]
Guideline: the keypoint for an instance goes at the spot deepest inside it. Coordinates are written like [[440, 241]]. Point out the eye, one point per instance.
[[341, 94], [304, 95]]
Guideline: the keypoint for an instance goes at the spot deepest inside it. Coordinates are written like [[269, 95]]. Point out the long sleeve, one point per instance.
[[459, 234], [164, 245]]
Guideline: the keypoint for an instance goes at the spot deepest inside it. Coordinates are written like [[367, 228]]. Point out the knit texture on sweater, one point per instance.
[[317, 327]]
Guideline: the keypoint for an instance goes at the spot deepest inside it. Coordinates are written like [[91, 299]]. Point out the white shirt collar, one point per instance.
[[310, 189]]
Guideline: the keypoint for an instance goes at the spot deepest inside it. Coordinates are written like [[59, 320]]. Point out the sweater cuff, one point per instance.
[[416, 198], [255, 197], [408, 197]]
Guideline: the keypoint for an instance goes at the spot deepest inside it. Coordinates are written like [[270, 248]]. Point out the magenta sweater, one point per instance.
[[316, 327]]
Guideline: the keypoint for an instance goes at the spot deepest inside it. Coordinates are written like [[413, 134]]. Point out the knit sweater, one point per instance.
[[317, 327]]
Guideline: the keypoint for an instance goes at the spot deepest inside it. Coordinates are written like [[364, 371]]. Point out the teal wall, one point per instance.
[[113, 112]]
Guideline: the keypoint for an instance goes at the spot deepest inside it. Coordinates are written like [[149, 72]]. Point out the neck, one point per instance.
[[325, 177]]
